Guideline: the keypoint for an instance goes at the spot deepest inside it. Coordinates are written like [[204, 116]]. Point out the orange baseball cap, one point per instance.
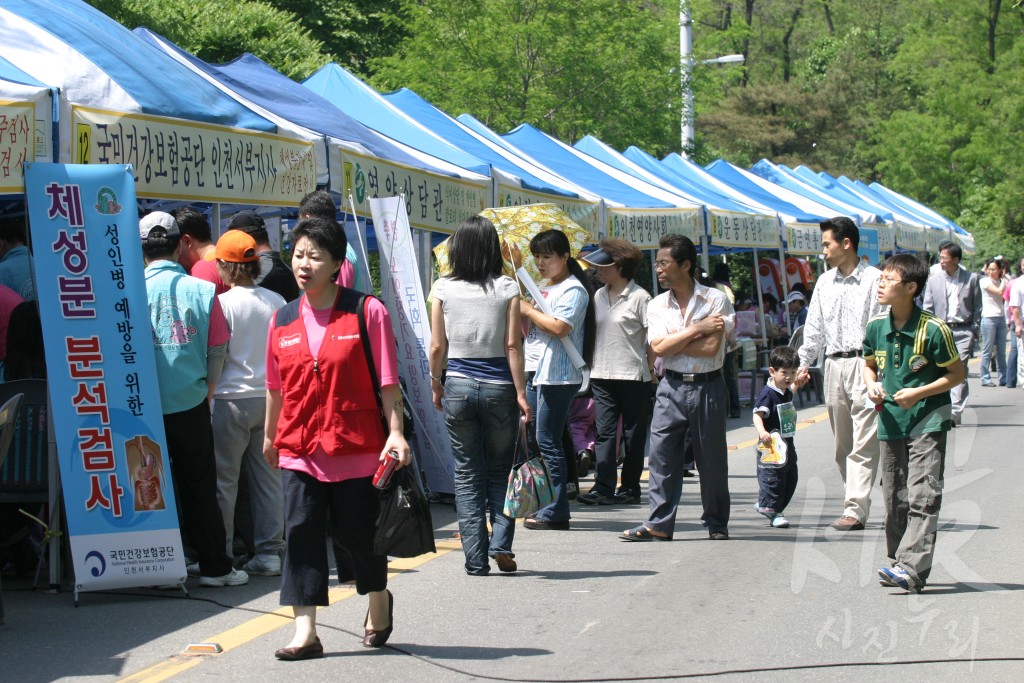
[[236, 246]]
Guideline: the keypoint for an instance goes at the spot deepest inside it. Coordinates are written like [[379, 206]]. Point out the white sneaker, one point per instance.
[[263, 565], [780, 522], [236, 577], [192, 568]]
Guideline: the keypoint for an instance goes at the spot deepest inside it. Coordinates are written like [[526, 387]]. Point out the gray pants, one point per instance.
[[238, 435], [700, 409], [912, 485], [963, 337]]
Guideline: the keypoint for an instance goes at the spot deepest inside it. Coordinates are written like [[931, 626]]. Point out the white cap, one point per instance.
[[158, 220], [795, 296]]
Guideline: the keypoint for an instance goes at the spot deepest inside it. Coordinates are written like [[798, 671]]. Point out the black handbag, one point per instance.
[[404, 525]]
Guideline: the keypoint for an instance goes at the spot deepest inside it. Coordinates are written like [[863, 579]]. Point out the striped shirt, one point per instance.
[[665, 317]]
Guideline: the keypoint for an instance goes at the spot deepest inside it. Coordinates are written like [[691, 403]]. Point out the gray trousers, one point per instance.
[[912, 473], [699, 409], [963, 337], [238, 435]]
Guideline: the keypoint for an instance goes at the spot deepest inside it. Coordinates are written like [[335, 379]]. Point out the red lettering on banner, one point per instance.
[[92, 400], [82, 355]]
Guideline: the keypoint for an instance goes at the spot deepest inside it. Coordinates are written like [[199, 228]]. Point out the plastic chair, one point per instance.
[[8, 418], [25, 473]]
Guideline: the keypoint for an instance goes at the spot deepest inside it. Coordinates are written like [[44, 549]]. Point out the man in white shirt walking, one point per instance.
[[844, 300]]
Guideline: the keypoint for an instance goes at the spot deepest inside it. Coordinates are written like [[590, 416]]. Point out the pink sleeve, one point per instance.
[[207, 271], [347, 275], [219, 332], [382, 342], [273, 374]]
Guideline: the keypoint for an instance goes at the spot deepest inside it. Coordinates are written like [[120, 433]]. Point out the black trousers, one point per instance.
[[194, 469], [353, 504], [630, 400]]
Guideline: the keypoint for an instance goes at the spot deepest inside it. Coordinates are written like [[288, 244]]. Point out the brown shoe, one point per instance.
[[314, 650], [506, 563], [847, 523]]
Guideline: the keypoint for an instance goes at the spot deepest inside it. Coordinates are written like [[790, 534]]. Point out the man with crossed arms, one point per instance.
[[843, 302]]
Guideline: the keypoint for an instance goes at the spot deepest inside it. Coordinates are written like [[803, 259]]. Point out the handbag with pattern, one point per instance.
[[529, 483]]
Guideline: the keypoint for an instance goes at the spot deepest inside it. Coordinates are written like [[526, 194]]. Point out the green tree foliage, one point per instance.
[[221, 30], [569, 67]]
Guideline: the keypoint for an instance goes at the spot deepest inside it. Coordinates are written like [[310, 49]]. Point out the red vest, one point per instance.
[[330, 400]]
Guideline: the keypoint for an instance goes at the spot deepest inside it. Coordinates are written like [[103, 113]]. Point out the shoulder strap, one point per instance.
[[364, 336]]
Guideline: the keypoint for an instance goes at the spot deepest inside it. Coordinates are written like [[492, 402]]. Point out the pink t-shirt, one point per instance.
[[347, 275], [9, 299], [320, 465], [207, 270]]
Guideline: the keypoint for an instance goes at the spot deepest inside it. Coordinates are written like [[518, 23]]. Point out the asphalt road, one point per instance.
[[798, 604]]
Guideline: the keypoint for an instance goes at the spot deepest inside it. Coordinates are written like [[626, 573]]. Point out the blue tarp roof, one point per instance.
[[255, 80], [9, 72], [769, 171], [543, 148], [734, 177], [366, 105], [917, 207], [156, 83], [827, 183]]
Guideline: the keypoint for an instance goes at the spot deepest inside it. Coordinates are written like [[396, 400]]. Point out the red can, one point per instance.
[[386, 469]]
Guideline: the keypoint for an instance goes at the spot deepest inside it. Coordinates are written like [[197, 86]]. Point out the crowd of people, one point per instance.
[[301, 370]]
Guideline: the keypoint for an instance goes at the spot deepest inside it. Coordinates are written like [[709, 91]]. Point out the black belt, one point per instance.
[[957, 326], [693, 377], [846, 354]]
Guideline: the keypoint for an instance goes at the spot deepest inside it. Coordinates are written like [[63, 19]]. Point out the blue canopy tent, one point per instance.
[[965, 239], [638, 211], [913, 232]]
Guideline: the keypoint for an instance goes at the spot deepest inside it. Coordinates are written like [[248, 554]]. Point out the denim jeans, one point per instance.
[[776, 485], [550, 405], [993, 335], [1011, 362], [482, 420]]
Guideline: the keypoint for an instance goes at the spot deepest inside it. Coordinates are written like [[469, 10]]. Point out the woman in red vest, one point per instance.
[[324, 431]]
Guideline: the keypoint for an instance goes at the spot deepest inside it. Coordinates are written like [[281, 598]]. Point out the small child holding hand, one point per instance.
[[774, 411]]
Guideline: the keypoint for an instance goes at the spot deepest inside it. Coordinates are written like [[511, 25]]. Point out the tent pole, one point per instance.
[[760, 298], [785, 276], [361, 234]]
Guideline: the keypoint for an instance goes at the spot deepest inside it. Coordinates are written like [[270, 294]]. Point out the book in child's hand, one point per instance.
[[773, 453]]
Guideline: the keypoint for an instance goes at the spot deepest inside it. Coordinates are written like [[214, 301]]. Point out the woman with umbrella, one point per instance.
[[552, 378]]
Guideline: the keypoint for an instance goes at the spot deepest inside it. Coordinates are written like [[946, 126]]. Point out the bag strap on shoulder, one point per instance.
[[364, 336]]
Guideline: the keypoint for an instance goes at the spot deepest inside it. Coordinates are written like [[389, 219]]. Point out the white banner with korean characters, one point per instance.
[[107, 418], [645, 227], [803, 239], [910, 237], [886, 236], [196, 162], [586, 213], [26, 134], [432, 201], [731, 229], [402, 293]]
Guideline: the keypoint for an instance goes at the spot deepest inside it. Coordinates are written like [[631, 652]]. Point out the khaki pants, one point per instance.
[[912, 481], [853, 424]]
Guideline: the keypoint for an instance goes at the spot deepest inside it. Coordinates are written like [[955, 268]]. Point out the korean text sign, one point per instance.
[[107, 418]]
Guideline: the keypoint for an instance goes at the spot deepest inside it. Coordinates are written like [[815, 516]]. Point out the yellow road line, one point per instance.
[[265, 623]]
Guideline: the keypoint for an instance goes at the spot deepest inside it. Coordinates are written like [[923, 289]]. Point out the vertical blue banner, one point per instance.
[[121, 513], [868, 247]]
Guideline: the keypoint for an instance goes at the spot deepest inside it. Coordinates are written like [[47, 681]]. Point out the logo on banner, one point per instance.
[[106, 202], [95, 570]]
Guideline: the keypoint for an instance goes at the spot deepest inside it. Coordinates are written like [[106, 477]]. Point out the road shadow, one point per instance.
[[572, 575], [970, 587]]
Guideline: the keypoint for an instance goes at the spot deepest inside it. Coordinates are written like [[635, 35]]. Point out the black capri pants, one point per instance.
[[353, 504]]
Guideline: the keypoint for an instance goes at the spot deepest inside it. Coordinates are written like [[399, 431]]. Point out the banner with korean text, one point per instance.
[[403, 295], [730, 229], [803, 239], [645, 227], [585, 212], [432, 202], [202, 162], [118, 494], [25, 135]]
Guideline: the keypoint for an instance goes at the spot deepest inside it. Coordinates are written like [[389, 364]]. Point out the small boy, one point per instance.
[[774, 411], [910, 364]]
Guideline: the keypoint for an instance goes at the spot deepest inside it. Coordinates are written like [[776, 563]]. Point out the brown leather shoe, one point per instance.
[[378, 638], [314, 650], [847, 523], [506, 563]]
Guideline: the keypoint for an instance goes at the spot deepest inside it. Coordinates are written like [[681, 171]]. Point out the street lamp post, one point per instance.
[[686, 65]]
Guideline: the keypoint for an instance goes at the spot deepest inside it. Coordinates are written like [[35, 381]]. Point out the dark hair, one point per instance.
[[770, 302], [555, 242], [193, 223], [325, 233], [12, 229], [784, 358], [475, 253], [998, 262], [842, 229], [240, 271], [910, 268], [318, 203], [720, 271], [625, 255], [953, 249], [25, 358], [157, 248], [682, 249]]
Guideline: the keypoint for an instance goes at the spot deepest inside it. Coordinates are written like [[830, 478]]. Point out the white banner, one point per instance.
[[645, 227], [403, 296], [803, 239]]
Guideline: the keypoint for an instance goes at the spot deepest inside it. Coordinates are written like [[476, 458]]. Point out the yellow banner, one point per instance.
[[584, 212], [434, 202], [178, 159], [803, 239], [644, 227], [17, 143], [744, 230]]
